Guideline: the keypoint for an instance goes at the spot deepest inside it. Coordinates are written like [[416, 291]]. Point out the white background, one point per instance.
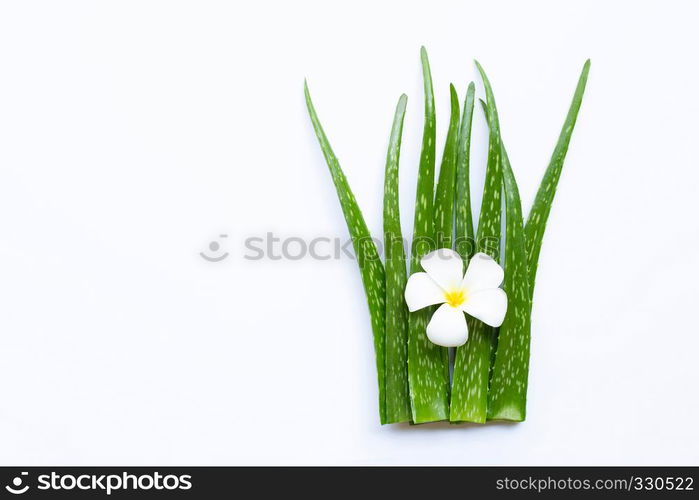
[[134, 133]]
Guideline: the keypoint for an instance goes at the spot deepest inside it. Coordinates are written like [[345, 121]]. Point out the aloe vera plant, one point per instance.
[[370, 266], [428, 364], [397, 389], [490, 375]]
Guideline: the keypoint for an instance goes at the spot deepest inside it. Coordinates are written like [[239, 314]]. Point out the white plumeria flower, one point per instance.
[[476, 293]]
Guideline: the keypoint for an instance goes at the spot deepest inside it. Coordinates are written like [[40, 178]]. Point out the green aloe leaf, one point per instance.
[[444, 198], [428, 364], [370, 266], [397, 389], [465, 235], [469, 400], [536, 222], [507, 397], [446, 185]]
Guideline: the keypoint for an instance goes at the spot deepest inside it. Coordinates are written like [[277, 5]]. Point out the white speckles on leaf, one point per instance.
[[472, 365], [507, 393], [481, 389], [397, 389], [428, 368]]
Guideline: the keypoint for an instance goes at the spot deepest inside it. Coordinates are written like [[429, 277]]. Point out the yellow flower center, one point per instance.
[[455, 297]]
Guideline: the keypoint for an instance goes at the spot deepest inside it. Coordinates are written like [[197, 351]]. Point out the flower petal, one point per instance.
[[489, 306], [482, 273], [448, 327], [421, 291], [445, 267]]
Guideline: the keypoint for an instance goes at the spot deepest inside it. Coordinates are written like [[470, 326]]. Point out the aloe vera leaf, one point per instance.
[[538, 215], [490, 216], [507, 396], [494, 338], [397, 390], [465, 235], [444, 198], [469, 399], [428, 364], [446, 185], [370, 266], [507, 399]]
